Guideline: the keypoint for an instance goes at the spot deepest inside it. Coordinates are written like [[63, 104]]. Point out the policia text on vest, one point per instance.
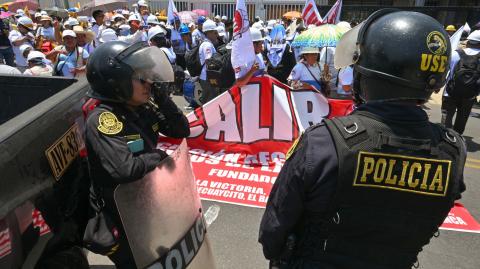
[[402, 173]]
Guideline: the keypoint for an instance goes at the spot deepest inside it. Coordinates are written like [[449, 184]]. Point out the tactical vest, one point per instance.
[[397, 181]]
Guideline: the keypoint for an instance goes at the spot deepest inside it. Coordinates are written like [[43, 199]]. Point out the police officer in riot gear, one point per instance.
[[122, 131], [370, 189]]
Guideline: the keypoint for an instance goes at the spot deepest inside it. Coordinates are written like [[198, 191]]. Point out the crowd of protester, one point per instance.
[[42, 45]]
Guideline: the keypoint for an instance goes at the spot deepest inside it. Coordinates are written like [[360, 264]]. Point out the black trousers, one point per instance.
[[461, 106], [208, 92]]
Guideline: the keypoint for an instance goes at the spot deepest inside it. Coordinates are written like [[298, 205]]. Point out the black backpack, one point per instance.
[[465, 82], [220, 72], [192, 61]]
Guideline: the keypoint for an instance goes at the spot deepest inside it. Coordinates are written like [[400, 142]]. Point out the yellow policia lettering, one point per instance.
[[367, 169], [411, 181], [403, 173], [391, 180], [433, 63]]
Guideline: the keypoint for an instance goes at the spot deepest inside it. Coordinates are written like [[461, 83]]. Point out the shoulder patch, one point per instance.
[[293, 148], [109, 124]]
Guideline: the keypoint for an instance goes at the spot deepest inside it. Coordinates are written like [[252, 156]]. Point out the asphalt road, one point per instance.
[[234, 233]]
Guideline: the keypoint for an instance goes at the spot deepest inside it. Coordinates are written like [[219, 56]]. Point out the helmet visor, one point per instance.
[[347, 47], [151, 65]]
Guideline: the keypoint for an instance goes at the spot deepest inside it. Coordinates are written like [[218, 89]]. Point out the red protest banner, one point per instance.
[[238, 142], [459, 219]]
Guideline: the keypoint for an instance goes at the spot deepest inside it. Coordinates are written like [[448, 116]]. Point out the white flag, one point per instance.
[[171, 12], [455, 38], [243, 54]]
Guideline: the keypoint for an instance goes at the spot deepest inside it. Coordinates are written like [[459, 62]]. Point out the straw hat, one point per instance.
[[80, 30], [45, 18]]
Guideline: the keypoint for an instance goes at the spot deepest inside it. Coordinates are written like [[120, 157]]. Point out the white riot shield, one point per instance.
[[162, 216]]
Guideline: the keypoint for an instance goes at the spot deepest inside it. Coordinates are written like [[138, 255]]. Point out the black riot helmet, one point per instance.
[[113, 65], [396, 55]]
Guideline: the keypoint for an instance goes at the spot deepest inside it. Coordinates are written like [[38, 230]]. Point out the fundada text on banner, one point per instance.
[[402, 173]]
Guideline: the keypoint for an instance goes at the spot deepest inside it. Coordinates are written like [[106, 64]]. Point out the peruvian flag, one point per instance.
[[171, 12], [333, 15], [243, 54], [310, 14]]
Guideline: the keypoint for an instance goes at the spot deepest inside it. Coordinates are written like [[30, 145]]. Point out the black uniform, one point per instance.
[[348, 191], [121, 149]]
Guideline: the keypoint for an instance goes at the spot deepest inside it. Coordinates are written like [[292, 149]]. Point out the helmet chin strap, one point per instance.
[[357, 89]]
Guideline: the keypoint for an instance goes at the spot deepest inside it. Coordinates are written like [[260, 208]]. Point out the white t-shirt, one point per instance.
[[345, 77], [206, 51], [244, 69], [70, 61], [300, 72], [170, 54], [48, 33], [9, 70], [19, 59], [197, 37], [97, 29], [39, 71]]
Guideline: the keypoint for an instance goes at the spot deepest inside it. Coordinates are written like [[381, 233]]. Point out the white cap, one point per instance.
[[23, 47], [209, 25], [306, 50], [270, 24], [142, 3], [133, 17], [224, 18], [117, 16], [68, 33], [256, 34], [35, 54], [218, 17], [37, 14], [43, 12], [257, 25], [221, 30], [72, 22], [191, 25], [108, 35], [155, 31], [474, 36], [25, 21], [344, 24], [152, 19], [82, 19], [20, 12]]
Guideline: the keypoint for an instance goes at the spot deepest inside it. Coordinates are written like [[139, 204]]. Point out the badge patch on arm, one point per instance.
[[293, 148], [402, 173], [109, 124]]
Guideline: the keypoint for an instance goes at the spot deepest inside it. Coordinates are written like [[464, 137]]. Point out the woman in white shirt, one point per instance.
[[307, 70], [47, 31]]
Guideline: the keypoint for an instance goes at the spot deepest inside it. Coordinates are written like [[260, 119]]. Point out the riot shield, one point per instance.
[[162, 216]]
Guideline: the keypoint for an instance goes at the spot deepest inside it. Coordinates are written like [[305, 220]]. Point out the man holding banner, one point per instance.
[[369, 190]]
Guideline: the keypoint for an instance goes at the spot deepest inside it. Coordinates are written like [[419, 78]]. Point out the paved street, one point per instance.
[[234, 233]]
